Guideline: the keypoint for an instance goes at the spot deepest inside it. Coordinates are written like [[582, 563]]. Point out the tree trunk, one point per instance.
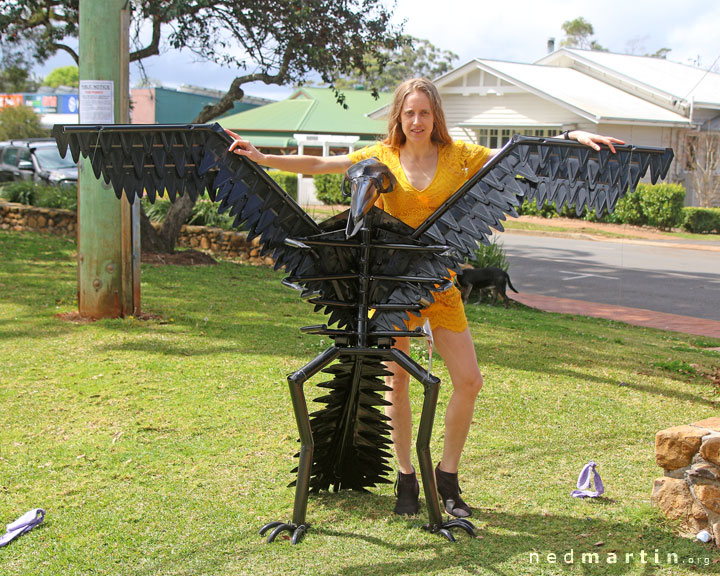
[[163, 240]]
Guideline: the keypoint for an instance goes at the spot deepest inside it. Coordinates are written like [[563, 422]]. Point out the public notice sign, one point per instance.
[[97, 102]]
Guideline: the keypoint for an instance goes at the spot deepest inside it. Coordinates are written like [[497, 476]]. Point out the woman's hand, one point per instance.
[[594, 140], [243, 147]]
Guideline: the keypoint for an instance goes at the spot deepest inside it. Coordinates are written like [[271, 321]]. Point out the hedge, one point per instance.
[[328, 189], [288, 181], [702, 220], [658, 205], [662, 204], [33, 194]]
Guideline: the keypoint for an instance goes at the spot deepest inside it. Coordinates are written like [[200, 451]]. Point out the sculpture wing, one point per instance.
[[190, 159], [551, 170]]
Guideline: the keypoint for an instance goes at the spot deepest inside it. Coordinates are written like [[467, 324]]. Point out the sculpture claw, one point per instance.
[[277, 527], [444, 528]]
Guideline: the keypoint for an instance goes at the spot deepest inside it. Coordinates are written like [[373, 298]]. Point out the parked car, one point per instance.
[[36, 161]]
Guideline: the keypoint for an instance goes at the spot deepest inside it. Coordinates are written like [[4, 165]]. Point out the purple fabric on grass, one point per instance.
[[583, 482], [25, 523]]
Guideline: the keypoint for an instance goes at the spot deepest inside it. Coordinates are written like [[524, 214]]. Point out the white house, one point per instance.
[[642, 100]]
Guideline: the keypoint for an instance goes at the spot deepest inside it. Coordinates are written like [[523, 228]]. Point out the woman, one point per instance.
[[429, 167]]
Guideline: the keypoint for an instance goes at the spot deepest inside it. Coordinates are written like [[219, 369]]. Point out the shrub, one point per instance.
[[156, 211], [204, 213], [701, 220], [530, 208], [287, 181], [33, 194], [489, 255], [65, 197], [628, 210], [20, 192], [328, 189], [662, 204], [20, 122]]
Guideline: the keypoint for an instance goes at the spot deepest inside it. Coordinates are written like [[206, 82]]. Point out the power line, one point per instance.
[[703, 77]]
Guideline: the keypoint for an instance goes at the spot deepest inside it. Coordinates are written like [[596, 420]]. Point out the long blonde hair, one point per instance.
[[396, 136]]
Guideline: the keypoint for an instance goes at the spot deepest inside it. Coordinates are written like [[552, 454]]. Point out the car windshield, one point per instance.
[[49, 159]]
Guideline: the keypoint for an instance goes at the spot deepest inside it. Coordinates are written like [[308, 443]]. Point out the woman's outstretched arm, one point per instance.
[[587, 138], [301, 164]]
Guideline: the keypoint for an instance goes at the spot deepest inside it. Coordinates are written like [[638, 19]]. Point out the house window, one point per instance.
[[497, 137]]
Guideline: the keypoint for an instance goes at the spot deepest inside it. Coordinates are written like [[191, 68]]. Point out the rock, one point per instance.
[[703, 471], [710, 450], [673, 497], [709, 497], [676, 446], [679, 473], [711, 423]]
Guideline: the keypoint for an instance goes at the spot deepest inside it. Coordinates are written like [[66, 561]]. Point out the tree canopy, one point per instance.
[[414, 57], [20, 122], [15, 73], [273, 41], [578, 34], [63, 76]]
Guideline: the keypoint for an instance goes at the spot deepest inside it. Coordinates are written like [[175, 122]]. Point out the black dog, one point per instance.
[[481, 278]]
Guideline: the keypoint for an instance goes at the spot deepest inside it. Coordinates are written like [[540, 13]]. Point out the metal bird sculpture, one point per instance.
[[364, 269]]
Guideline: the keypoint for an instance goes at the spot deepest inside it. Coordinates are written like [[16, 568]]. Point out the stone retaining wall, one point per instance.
[[63, 222], [21, 217], [689, 492]]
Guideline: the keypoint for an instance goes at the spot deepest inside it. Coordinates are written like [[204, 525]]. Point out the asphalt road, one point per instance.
[[655, 277]]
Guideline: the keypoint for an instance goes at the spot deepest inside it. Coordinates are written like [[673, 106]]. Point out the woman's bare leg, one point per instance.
[[458, 353], [399, 413]]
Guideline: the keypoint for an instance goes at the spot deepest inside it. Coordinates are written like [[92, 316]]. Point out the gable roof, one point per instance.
[[583, 95], [676, 83], [314, 110]]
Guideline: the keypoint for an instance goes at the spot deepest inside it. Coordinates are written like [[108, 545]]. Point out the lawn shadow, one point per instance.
[[538, 544]]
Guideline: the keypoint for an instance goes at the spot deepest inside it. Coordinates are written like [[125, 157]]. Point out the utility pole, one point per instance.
[[108, 243]]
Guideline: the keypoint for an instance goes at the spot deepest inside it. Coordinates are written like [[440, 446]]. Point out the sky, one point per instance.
[[514, 30]]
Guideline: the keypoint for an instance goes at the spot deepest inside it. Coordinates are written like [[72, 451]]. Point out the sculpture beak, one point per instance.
[[364, 195]]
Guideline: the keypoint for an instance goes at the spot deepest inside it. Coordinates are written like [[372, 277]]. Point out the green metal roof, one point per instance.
[[313, 110]]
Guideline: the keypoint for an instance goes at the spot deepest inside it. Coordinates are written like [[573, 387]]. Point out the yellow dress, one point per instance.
[[456, 163]]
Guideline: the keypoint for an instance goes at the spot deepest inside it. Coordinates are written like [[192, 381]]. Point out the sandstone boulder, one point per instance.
[[676, 446], [673, 497]]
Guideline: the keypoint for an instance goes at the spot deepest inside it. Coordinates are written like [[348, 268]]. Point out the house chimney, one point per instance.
[[551, 45]]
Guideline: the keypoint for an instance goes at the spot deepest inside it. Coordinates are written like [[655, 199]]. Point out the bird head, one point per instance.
[[364, 182]]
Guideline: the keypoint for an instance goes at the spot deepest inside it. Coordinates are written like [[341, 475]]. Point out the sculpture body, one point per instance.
[[364, 269]]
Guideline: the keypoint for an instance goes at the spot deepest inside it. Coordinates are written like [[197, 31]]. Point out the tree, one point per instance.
[[63, 76], [20, 122], [15, 75], [578, 33], [414, 57], [703, 163], [273, 41]]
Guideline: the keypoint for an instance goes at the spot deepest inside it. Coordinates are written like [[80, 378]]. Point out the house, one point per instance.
[[310, 121], [646, 101], [160, 105]]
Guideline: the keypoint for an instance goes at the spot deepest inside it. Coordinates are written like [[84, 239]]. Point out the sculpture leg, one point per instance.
[[427, 418], [298, 527]]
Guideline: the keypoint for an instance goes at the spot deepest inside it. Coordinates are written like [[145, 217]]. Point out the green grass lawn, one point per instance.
[[160, 446]]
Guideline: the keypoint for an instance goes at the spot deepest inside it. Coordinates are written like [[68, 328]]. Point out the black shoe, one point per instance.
[[407, 491], [449, 489]]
